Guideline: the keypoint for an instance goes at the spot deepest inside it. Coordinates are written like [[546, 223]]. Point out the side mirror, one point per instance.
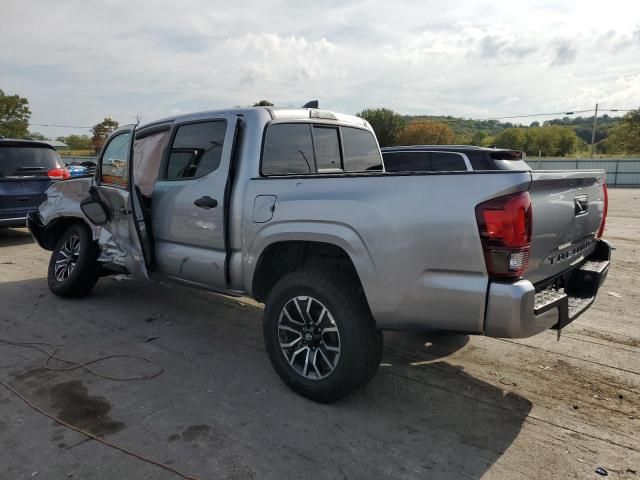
[[95, 212]]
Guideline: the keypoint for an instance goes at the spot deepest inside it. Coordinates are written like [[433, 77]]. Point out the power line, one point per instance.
[[452, 120], [56, 125], [527, 115]]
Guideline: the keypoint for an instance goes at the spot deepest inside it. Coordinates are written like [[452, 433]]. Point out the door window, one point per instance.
[[196, 150], [147, 157], [114, 168]]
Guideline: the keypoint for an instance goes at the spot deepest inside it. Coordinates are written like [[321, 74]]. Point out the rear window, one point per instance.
[[506, 155], [481, 161], [424, 162], [406, 161], [299, 148], [27, 161], [327, 146], [447, 162], [361, 153], [288, 149]]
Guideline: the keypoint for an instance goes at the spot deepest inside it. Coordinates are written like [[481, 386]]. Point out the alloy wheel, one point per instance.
[[67, 258], [309, 337]]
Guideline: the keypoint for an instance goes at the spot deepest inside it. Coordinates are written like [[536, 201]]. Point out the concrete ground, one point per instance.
[[440, 406]]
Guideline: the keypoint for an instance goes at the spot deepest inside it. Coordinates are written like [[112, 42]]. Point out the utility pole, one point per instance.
[[593, 131]]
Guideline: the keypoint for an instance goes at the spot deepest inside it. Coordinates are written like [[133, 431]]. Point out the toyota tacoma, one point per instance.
[[294, 208]]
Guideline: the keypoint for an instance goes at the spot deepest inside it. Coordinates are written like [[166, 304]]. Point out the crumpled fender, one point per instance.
[[60, 208]]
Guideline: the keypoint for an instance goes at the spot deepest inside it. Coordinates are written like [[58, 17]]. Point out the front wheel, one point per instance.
[[319, 334], [73, 269]]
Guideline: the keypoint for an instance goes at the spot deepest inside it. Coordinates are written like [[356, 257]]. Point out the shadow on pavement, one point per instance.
[[14, 236], [420, 417]]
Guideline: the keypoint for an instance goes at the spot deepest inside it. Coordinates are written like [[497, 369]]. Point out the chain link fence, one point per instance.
[[621, 172]]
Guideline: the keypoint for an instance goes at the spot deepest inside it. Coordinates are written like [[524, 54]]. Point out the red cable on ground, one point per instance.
[[96, 438], [85, 366]]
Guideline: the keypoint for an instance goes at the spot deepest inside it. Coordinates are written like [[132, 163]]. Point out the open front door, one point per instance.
[[120, 235]]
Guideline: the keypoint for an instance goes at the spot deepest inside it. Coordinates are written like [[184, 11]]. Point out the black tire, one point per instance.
[[360, 342], [84, 274]]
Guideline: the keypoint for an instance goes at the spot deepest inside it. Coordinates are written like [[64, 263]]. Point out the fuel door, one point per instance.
[[263, 208]]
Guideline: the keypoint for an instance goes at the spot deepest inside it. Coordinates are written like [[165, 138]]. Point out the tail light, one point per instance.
[[505, 231], [604, 211], [59, 174]]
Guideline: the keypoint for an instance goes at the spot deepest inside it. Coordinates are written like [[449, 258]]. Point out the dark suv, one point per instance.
[[451, 158], [27, 168]]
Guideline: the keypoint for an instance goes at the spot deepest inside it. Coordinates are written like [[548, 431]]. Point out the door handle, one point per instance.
[[206, 202]]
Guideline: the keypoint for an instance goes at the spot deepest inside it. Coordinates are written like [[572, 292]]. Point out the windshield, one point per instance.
[[27, 161]]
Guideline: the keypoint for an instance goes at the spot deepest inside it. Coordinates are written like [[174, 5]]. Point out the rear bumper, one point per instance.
[[518, 310], [14, 221]]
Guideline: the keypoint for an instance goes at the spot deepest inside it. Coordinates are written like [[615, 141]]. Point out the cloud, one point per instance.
[[564, 53], [492, 46], [432, 57]]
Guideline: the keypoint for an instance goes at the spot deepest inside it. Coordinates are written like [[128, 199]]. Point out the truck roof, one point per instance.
[[276, 113]]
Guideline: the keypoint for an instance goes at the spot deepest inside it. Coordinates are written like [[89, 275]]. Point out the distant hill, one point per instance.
[[583, 125], [480, 132]]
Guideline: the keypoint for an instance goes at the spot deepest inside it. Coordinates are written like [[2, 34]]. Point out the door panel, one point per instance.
[[190, 239], [118, 237]]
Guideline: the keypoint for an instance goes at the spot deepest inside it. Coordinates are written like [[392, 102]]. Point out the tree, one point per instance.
[[101, 131], [567, 141], [552, 140], [478, 138], [625, 137], [513, 138], [14, 116], [385, 123], [263, 103], [77, 142], [426, 133], [36, 136]]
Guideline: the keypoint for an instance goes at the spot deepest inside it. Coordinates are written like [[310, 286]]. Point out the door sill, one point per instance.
[[161, 277]]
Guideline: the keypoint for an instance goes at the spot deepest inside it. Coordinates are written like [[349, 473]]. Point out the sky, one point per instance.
[[80, 61]]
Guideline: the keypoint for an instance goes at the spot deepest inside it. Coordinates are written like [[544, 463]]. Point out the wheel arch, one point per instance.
[[48, 235], [282, 254]]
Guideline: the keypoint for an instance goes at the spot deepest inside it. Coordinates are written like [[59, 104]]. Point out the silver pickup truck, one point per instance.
[[294, 208]]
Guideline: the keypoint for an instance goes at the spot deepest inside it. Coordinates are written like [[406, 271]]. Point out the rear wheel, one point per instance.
[[73, 269], [320, 335]]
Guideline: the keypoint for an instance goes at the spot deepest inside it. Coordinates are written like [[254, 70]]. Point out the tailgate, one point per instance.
[[22, 193], [568, 207]]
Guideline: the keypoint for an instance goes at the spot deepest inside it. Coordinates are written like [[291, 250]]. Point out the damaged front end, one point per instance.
[[61, 207]]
